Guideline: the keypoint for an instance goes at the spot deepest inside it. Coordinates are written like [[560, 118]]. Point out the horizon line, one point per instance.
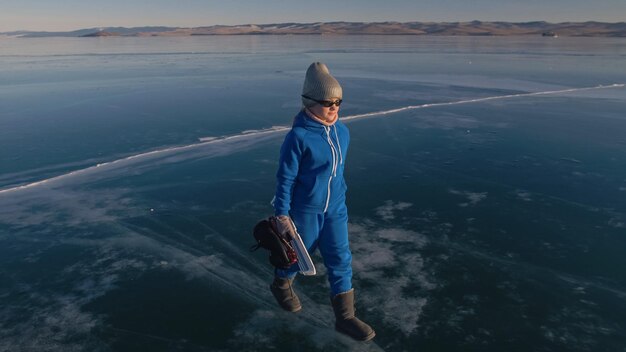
[[277, 23]]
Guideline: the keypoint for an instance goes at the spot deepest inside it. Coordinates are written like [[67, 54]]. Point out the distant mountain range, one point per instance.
[[474, 28]]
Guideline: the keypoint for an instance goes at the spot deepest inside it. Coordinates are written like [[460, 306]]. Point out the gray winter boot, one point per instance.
[[285, 296], [347, 323]]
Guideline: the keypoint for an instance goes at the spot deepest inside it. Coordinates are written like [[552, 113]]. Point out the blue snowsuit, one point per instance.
[[312, 191]]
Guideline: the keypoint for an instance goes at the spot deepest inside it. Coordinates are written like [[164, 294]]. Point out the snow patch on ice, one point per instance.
[[584, 333], [389, 258], [523, 195], [473, 198], [446, 121], [55, 320], [68, 208], [56, 323], [617, 223], [387, 211]]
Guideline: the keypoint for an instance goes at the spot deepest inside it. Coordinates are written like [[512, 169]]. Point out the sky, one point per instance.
[[64, 15]]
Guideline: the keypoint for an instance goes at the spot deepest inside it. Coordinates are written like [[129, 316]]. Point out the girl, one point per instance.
[[311, 192]]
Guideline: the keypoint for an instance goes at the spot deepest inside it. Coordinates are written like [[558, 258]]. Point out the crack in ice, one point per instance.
[[249, 134]]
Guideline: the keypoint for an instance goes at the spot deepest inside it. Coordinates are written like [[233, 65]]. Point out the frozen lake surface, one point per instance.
[[486, 176]]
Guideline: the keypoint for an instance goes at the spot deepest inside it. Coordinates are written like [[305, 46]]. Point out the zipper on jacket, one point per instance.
[[334, 169]]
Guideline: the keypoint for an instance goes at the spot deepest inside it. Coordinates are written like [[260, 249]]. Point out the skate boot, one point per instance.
[[285, 296], [347, 323]]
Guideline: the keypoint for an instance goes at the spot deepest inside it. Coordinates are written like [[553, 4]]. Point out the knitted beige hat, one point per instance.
[[319, 84]]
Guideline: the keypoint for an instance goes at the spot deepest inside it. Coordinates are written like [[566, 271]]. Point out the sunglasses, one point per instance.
[[325, 103]]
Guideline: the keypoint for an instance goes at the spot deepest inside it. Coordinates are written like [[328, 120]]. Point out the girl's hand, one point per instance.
[[284, 226]]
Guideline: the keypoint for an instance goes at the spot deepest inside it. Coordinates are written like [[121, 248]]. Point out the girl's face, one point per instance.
[[328, 114]]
